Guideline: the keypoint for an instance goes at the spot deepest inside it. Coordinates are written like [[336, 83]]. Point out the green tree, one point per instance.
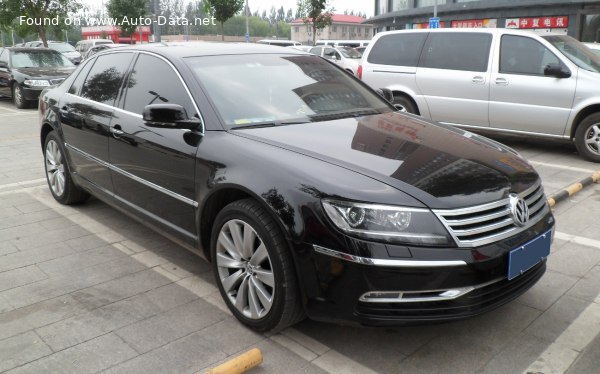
[[37, 11], [132, 9], [315, 15], [223, 10]]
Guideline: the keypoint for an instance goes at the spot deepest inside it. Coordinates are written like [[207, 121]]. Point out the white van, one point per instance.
[[82, 46], [343, 43], [492, 80], [348, 58]]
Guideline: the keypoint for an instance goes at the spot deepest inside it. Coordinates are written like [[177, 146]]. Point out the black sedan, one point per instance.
[[305, 189], [25, 72]]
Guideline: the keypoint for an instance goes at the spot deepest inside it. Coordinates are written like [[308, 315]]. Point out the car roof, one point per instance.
[[193, 49]]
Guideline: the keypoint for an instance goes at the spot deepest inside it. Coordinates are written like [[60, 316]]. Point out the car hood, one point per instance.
[[45, 72], [441, 166]]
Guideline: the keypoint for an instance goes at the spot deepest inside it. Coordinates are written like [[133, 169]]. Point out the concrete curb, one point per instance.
[[239, 364], [572, 189]]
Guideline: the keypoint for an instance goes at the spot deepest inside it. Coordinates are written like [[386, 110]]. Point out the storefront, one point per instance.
[[580, 19], [114, 33]]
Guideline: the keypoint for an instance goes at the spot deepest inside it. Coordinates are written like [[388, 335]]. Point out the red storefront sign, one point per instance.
[[538, 23]]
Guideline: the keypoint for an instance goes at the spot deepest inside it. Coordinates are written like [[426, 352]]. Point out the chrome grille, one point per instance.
[[484, 224]]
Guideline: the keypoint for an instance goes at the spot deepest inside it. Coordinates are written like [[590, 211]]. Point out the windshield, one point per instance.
[[268, 89], [62, 47], [575, 51], [350, 52], [38, 59]]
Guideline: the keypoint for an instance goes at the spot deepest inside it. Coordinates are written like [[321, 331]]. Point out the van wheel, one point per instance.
[[253, 267], [403, 104], [587, 137]]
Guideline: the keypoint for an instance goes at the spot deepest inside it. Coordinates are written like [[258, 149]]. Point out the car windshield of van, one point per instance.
[[350, 52], [268, 89], [575, 51], [38, 59]]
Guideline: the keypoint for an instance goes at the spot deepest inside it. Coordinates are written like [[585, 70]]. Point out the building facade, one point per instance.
[[343, 27], [577, 18], [114, 33]]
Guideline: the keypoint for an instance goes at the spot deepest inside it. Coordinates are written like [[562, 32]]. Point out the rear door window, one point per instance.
[[457, 51], [104, 79], [398, 49]]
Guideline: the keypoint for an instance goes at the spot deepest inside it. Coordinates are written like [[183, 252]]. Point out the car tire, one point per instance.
[[587, 137], [18, 97], [404, 104], [253, 267], [61, 185]]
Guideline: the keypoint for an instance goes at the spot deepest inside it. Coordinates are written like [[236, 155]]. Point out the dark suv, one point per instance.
[[306, 190]]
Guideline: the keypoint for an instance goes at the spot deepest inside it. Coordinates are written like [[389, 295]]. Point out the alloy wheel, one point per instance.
[[592, 139], [244, 269], [18, 97], [55, 168]]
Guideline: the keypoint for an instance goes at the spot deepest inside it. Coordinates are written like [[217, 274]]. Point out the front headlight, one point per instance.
[[387, 223], [37, 82]]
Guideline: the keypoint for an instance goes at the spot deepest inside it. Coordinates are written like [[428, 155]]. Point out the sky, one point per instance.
[[364, 6]]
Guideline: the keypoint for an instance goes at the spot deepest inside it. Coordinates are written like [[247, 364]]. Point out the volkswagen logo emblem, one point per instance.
[[519, 210]]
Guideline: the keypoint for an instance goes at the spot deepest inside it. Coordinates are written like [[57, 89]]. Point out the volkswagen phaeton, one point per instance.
[[306, 190]]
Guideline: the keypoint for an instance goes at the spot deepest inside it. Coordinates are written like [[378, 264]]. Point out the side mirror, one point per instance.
[[387, 94], [170, 116], [557, 71], [3, 65]]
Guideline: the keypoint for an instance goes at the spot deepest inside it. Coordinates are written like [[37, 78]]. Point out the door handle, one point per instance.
[[501, 81], [116, 131], [478, 80], [64, 111]]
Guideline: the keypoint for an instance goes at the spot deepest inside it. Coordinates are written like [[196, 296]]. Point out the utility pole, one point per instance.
[[156, 26], [435, 9], [247, 22]]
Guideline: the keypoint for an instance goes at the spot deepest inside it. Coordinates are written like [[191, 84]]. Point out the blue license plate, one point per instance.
[[528, 255]]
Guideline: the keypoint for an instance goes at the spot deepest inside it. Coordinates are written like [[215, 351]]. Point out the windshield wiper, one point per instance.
[[268, 124], [348, 114]]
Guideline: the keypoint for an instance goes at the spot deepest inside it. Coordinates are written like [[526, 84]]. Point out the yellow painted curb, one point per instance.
[[239, 364]]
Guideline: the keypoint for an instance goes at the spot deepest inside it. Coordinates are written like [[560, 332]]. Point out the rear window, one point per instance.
[[397, 49], [457, 51]]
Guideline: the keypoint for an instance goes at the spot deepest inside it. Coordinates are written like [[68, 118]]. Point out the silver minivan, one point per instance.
[[496, 80]]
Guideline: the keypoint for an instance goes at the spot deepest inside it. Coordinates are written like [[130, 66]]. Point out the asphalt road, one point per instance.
[[86, 289]]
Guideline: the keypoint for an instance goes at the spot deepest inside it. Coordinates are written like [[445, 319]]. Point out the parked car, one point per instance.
[[25, 72], [82, 46], [348, 58], [308, 192], [595, 47], [303, 48], [493, 80], [343, 43], [101, 47]]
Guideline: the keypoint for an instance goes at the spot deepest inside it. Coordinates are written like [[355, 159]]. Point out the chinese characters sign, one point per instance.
[[476, 23], [538, 23]]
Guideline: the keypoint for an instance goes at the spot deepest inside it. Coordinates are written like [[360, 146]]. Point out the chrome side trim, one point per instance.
[[386, 262], [515, 132], [134, 177], [406, 296]]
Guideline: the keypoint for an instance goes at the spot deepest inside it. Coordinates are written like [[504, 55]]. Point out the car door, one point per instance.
[[85, 115], [453, 77], [153, 168], [4, 73], [522, 98]]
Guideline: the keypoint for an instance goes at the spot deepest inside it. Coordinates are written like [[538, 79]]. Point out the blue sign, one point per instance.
[[434, 23], [247, 37]]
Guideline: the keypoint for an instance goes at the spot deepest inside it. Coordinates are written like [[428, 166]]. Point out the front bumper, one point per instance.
[[335, 286], [32, 93]]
